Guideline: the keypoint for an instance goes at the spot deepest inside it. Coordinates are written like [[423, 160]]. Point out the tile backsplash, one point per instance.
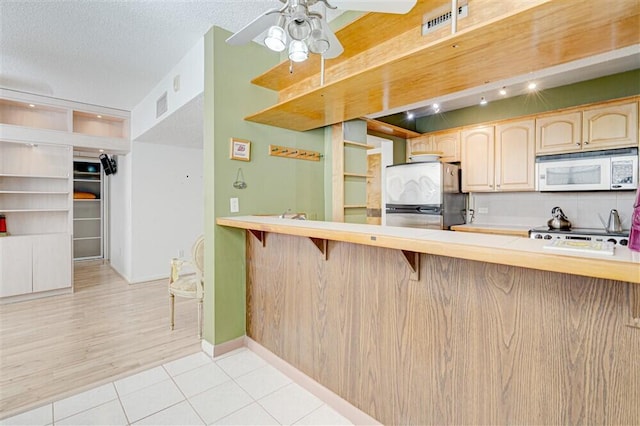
[[534, 208]]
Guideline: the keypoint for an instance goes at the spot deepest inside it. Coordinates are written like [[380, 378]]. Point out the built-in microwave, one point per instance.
[[610, 170]]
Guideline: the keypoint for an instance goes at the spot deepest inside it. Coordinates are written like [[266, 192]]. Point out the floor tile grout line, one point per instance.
[[186, 398], [53, 419], [126, 416]]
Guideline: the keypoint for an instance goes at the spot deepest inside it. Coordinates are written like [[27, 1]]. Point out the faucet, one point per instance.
[[284, 213]]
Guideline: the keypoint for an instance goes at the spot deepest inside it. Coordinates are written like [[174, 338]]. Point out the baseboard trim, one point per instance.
[[229, 346], [342, 406], [207, 348]]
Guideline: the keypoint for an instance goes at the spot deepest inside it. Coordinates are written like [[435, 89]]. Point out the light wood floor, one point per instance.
[[56, 346]]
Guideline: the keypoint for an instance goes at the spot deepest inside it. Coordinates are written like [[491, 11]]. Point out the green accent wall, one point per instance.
[[600, 89], [274, 184]]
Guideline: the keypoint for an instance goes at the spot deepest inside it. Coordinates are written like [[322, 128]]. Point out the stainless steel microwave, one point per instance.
[[609, 170]]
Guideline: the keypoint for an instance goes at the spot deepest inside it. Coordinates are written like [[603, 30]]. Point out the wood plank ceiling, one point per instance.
[[387, 63]]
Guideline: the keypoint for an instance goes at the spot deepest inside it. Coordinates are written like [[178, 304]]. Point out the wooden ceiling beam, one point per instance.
[[523, 40]]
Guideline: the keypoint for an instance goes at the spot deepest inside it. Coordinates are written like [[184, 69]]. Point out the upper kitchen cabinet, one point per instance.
[[418, 145], [477, 163], [499, 158], [612, 125], [447, 143], [559, 133], [36, 119], [515, 156]]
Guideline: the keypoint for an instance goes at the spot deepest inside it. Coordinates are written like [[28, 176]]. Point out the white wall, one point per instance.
[[190, 70], [167, 207], [120, 217]]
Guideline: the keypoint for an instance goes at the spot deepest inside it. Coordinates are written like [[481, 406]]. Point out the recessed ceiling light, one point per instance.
[[435, 106], [99, 116], [32, 106], [532, 86], [483, 101], [503, 91]]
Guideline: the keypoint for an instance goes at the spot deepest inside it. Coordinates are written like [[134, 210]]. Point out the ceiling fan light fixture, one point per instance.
[[318, 40], [299, 27], [276, 39], [298, 51]]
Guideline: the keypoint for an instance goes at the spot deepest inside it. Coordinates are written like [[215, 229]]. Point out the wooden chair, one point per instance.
[[187, 280]]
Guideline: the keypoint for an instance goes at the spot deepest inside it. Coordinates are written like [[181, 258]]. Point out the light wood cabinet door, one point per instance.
[[51, 262], [559, 133], [614, 126], [477, 160], [515, 156], [15, 266], [449, 144], [419, 145]]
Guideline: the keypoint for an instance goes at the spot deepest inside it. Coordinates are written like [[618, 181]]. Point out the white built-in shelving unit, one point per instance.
[[47, 228], [35, 198]]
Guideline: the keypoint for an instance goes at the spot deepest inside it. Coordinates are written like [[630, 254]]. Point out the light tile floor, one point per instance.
[[238, 388]]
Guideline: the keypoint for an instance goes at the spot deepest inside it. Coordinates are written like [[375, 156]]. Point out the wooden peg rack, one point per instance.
[[300, 154]]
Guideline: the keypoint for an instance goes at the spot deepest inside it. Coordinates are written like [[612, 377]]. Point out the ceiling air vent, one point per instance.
[[433, 23], [161, 105]]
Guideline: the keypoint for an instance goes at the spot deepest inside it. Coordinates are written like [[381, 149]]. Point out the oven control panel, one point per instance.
[[615, 239]]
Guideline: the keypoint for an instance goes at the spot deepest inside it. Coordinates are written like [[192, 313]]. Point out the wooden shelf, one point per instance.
[[355, 206], [389, 129], [358, 175], [358, 144]]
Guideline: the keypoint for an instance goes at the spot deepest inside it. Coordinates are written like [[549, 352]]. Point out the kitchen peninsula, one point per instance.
[[436, 327]]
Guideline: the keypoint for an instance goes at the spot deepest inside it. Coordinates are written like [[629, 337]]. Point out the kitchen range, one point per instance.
[[559, 228]]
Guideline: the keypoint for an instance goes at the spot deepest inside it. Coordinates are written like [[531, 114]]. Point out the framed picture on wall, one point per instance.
[[240, 149]]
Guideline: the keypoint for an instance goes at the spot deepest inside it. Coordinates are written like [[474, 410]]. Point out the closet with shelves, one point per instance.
[[88, 191]]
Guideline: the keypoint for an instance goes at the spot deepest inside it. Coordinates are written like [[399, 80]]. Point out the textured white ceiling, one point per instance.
[[109, 53]]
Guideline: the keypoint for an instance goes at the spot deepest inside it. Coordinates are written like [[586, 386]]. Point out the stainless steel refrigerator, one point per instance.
[[424, 195]]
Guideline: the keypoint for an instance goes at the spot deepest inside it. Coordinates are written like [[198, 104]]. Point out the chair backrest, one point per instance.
[[197, 253]]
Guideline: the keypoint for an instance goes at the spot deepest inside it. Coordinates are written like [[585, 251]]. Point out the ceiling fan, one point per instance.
[[305, 30]]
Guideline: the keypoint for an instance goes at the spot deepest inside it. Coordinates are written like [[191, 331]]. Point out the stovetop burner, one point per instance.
[[582, 234]]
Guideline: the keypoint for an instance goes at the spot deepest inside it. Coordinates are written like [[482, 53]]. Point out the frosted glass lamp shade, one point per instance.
[[276, 39], [298, 51]]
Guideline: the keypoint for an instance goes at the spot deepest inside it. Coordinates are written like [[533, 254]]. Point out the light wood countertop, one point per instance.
[[514, 230], [624, 265]]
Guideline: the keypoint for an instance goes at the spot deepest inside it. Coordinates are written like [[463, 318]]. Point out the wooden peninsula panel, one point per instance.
[[467, 343]]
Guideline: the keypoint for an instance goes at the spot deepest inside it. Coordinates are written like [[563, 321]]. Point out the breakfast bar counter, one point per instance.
[[623, 265], [438, 327]]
